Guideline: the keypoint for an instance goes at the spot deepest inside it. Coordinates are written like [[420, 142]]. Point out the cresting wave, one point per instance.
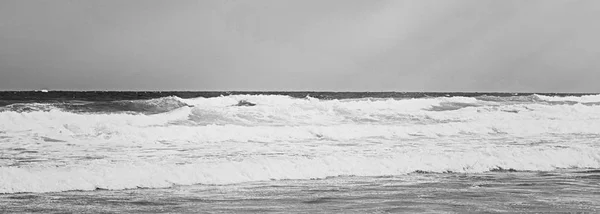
[[151, 106], [173, 141], [106, 175]]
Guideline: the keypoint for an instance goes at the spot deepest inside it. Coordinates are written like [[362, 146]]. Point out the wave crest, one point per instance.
[[153, 106], [105, 175], [171, 141]]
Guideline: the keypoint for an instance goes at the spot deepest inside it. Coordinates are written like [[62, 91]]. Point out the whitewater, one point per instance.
[[241, 139]]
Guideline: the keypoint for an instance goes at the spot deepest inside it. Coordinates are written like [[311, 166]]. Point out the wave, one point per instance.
[[27, 107], [113, 176], [521, 99], [153, 106], [150, 106], [166, 104], [309, 110], [544, 99], [174, 141], [282, 118], [579, 99]]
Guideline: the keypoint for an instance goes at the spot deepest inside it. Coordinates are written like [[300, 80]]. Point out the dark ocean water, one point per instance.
[[299, 152], [137, 95], [118, 101]]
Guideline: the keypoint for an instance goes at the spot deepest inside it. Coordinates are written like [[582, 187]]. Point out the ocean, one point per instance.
[[299, 152]]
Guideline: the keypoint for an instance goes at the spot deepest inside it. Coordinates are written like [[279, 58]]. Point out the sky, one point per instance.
[[301, 45]]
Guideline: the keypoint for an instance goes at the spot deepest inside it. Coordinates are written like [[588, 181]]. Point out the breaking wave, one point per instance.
[[151, 106], [104, 175], [240, 138]]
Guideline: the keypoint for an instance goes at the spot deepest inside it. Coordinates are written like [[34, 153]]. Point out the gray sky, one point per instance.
[[339, 45]]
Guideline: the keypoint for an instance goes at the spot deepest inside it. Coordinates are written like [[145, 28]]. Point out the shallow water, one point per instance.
[[491, 192]]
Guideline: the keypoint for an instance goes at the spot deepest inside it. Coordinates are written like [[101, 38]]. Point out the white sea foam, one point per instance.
[[105, 175], [213, 141], [583, 99]]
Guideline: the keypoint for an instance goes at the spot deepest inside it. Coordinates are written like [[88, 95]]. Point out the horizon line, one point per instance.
[[299, 91]]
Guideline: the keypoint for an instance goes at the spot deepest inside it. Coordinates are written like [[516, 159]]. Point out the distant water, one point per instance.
[[299, 152]]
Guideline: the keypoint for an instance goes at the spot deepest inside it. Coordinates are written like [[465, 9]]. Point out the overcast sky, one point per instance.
[[334, 45]]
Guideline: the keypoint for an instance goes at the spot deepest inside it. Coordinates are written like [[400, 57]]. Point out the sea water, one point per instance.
[[298, 152]]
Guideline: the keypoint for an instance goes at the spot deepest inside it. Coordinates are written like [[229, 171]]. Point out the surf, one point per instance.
[[167, 141]]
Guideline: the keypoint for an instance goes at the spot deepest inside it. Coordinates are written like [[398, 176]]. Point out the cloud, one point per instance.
[[402, 45]]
